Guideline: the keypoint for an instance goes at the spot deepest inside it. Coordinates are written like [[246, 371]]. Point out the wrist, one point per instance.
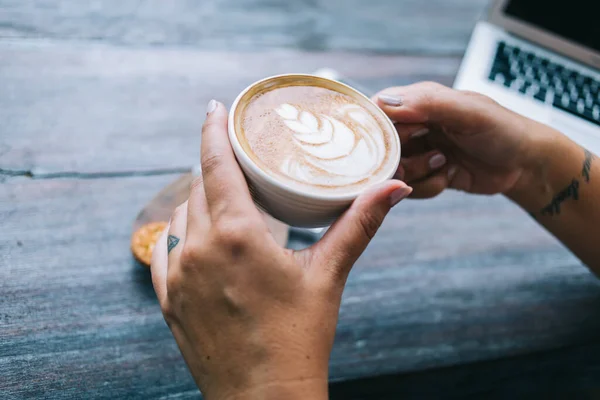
[[290, 378], [541, 170], [310, 388]]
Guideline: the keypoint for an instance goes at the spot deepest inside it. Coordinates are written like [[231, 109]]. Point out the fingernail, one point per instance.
[[437, 161], [419, 133], [399, 194], [390, 100], [451, 172], [212, 106]]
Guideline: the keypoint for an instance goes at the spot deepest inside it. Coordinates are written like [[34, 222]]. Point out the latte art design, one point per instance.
[[331, 152]]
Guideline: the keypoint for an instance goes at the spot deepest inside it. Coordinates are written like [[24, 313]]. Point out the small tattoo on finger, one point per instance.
[[171, 243]]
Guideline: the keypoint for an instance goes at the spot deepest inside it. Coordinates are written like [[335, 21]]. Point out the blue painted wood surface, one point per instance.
[[101, 105]]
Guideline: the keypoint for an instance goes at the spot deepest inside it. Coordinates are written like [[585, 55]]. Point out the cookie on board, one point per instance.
[[144, 239]]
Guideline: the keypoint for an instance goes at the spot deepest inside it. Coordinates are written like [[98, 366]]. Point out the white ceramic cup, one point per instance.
[[289, 204]]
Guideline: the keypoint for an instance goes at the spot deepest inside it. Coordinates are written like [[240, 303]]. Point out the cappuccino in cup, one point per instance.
[[309, 146]]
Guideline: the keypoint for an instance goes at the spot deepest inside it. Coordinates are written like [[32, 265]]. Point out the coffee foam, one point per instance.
[[315, 138]]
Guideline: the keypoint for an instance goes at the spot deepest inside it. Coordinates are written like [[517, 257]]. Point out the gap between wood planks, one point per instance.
[[34, 174]]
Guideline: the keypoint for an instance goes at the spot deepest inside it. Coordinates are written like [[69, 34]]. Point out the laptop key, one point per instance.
[[559, 90], [574, 96], [518, 84], [533, 89], [588, 114], [523, 89], [499, 77], [589, 100], [529, 73], [541, 95], [504, 67]]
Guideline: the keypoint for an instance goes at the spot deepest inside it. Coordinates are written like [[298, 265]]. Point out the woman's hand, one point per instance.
[[466, 141], [460, 140], [252, 319]]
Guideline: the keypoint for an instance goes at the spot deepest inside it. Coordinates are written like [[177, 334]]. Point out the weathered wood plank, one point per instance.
[[385, 25], [449, 281], [84, 108]]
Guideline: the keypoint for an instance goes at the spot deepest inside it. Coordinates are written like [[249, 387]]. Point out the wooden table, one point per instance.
[[101, 105]]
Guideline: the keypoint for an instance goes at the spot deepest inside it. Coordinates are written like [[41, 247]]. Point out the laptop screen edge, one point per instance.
[[585, 55]]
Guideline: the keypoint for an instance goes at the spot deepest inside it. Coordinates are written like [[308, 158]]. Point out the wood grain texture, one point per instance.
[[94, 108], [446, 282], [406, 26], [459, 296]]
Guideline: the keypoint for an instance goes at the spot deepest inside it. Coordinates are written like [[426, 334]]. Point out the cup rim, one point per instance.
[[249, 163]]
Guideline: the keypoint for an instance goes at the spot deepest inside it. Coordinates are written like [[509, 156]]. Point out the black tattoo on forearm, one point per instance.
[[570, 192], [171, 243], [587, 165]]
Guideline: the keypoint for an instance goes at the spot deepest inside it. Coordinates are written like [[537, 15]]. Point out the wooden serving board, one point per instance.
[[162, 205]]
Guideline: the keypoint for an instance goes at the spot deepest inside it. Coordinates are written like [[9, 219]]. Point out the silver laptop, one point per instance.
[[541, 58]]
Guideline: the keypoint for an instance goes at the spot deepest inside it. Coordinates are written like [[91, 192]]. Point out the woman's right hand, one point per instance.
[[460, 140], [253, 319]]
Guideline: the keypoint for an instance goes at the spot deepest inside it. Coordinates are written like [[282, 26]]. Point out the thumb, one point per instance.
[[422, 103], [348, 237]]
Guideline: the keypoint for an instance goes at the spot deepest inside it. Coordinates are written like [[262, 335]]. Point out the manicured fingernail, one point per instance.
[[390, 100], [212, 106], [419, 133], [451, 172], [399, 194], [437, 161]]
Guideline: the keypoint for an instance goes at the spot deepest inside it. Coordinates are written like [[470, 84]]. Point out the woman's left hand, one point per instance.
[[251, 318]]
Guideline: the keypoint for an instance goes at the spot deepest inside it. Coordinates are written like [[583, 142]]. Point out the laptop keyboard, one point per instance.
[[546, 81]]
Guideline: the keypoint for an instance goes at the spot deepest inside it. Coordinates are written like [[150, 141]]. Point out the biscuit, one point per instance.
[[144, 239]]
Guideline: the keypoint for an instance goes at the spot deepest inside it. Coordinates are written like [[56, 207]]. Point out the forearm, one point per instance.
[[560, 188]]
